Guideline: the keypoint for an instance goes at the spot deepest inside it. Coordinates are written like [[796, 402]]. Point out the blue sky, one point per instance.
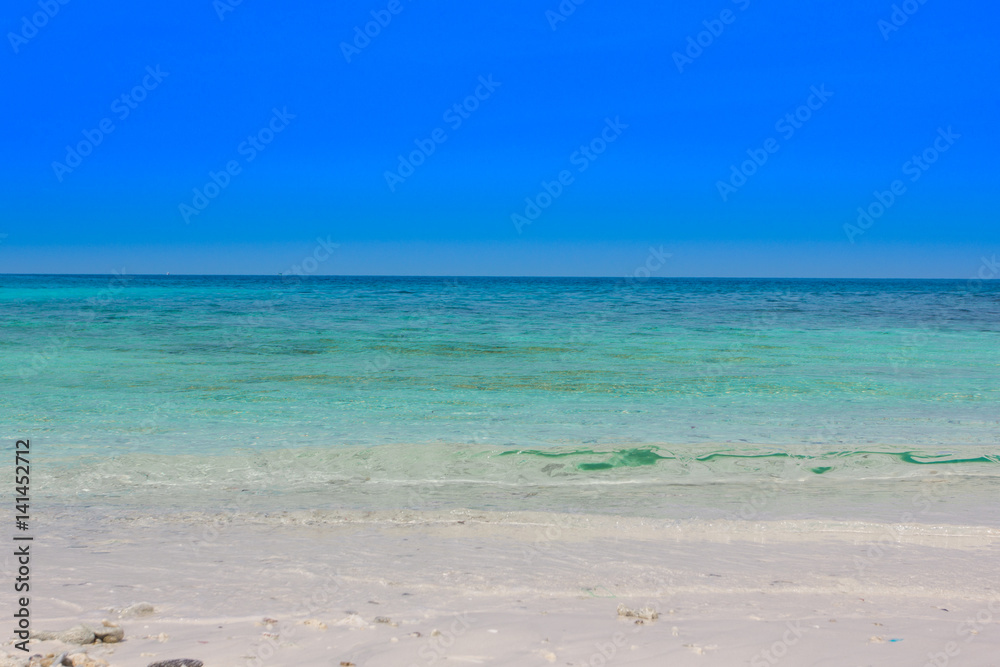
[[642, 109]]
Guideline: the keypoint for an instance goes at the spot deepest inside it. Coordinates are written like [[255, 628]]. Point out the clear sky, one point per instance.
[[519, 137]]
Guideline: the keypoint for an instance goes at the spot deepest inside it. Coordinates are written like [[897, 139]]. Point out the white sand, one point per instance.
[[520, 589]]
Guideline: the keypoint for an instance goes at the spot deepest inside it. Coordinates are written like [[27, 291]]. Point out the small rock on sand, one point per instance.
[[83, 660], [79, 634], [110, 633], [352, 621], [138, 609], [645, 613], [107, 633], [178, 662], [699, 650], [62, 660]]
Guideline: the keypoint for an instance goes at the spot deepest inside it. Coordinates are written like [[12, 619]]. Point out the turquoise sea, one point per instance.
[[658, 396]]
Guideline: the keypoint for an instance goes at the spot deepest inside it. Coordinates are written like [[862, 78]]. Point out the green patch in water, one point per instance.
[[622, 458], [626, 458], [648, 456]]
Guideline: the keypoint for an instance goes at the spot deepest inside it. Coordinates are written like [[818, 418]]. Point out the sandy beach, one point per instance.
[[515, 334], [478, 588]]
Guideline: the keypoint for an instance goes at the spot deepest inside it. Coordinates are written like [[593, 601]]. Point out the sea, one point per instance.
[[748, 399]]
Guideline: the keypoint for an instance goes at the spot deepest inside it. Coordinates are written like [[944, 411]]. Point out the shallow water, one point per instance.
[[347, 391]]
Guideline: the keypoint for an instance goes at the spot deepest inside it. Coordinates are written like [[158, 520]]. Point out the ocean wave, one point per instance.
[[321, 469]]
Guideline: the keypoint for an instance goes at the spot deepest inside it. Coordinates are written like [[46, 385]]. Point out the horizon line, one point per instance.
[[365, 275]]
